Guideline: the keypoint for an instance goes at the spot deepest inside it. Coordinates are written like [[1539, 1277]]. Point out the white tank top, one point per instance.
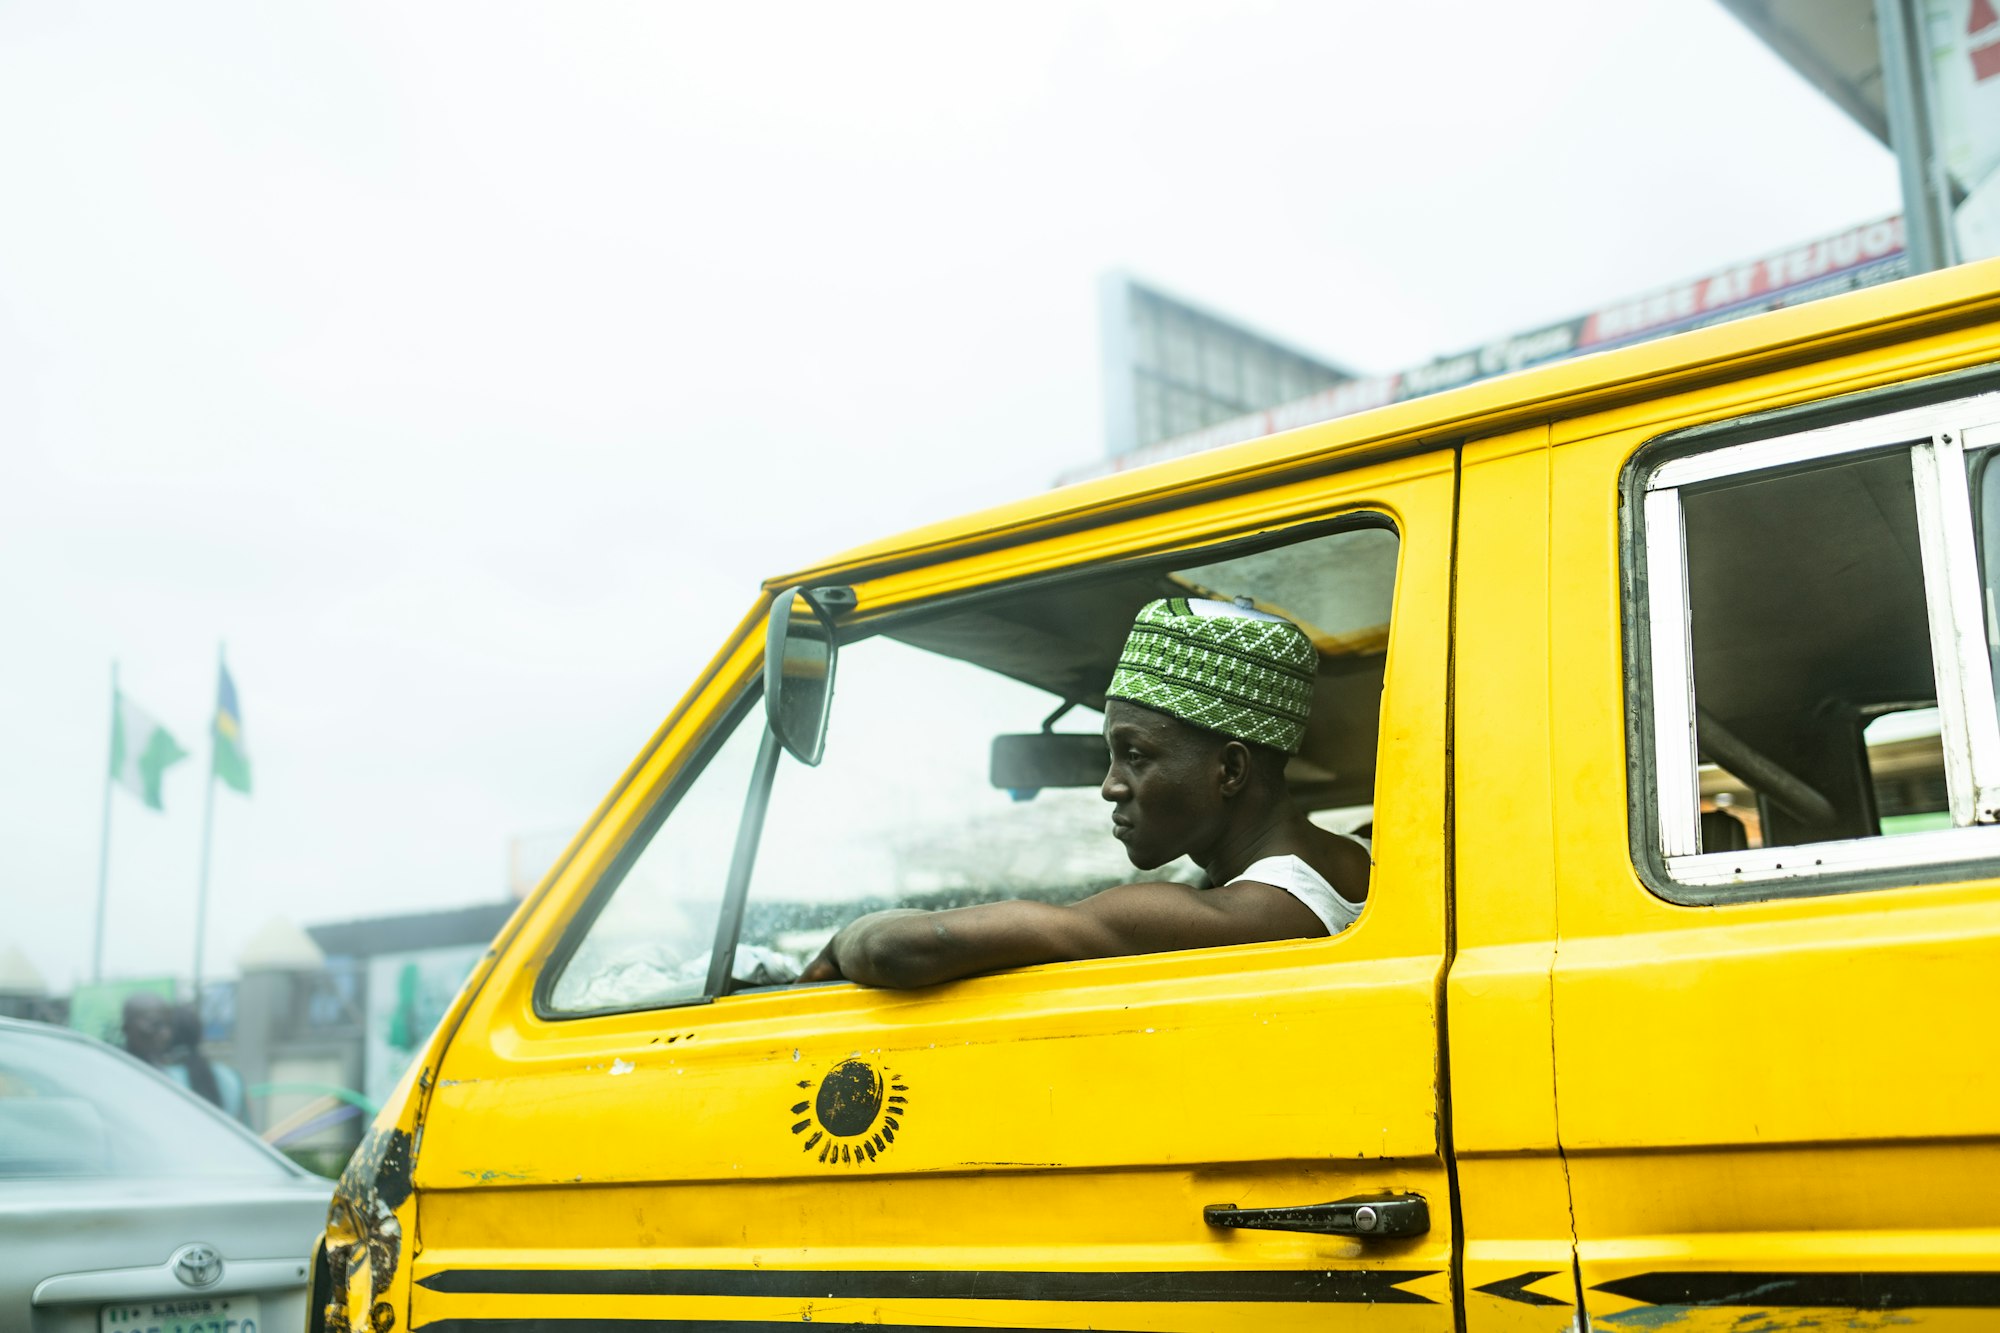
[[1307, 885]]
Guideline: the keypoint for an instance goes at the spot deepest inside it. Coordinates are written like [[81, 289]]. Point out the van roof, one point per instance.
[[1816, 330]]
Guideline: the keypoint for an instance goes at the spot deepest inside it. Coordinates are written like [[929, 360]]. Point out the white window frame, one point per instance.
[[1938, 437]]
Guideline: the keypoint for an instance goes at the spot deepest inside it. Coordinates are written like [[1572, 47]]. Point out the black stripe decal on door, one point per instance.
[[1838, 1291], [1378, 1286], [1515, 1288]]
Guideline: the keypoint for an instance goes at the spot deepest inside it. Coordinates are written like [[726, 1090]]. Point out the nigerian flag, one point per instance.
[[141, 751], [232, 760]]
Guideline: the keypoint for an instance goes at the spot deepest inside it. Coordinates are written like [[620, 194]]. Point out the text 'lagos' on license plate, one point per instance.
[[191, 1314]]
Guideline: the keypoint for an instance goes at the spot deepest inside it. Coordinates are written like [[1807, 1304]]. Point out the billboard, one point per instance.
[[1923, 76], [1857, 257], [408, 994], [98, 1009], [1964, 49], [1171, 368]]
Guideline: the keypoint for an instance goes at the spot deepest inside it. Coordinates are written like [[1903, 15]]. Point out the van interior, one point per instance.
[[1814, 690]]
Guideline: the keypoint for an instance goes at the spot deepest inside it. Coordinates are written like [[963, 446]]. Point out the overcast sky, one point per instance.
[[466, 366]]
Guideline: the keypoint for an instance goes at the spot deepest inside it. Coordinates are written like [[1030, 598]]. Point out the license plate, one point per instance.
[[192, 1314]]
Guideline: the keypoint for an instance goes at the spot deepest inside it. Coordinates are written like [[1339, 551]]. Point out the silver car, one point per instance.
[[129, 1205]]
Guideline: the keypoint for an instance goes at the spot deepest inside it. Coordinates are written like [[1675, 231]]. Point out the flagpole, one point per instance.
[[104, 839], [207, 833]]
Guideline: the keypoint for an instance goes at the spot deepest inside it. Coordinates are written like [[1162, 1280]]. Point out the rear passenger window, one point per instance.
[[1820, 635]]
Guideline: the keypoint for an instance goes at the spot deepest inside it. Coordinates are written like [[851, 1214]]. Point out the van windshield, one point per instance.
[[904, 810]]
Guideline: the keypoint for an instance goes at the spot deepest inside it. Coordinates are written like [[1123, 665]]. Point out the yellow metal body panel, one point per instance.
[[1518, 1247], [1073, 1118], [1592, 1086], [1769, 1096]]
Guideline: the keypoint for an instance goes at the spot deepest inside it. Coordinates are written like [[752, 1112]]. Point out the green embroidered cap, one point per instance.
[[1220, 666]]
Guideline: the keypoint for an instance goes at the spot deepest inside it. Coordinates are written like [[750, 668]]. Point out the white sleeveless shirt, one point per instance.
[[1307, 885]]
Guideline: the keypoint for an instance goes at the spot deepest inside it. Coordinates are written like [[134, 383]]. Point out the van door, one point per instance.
[[1774, 1045], [1519, 1257], [1083, 1145]]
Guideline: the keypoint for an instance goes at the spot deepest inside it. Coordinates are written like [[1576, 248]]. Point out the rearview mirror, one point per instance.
[[798, 671], [1027, 763]]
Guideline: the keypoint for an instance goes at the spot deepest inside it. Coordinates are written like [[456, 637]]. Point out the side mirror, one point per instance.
[[798, 669]]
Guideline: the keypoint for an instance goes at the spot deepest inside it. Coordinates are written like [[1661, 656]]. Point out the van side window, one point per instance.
[[650, 941], [1820, 638], [938, 789]]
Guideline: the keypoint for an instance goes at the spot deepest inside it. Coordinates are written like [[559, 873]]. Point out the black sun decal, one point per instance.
[[854, 1115]]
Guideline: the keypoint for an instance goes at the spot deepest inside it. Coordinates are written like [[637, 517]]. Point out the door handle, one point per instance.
[[1365, 1216]]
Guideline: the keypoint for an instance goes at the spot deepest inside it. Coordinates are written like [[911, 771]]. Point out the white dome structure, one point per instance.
[[280, 946], [18, 976]]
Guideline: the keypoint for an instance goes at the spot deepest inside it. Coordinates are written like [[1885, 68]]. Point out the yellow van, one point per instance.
[[1663, 683]]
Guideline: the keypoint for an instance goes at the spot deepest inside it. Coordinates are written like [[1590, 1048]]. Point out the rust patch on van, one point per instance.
[[364, 1241]]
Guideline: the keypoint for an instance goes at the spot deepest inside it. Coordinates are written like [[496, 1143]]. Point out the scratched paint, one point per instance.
[[1645, 1316], [488, 1177], [1754, 1321], [1802, 1321]]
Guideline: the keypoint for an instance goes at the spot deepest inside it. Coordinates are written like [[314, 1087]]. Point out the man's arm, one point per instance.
[[907, 948]]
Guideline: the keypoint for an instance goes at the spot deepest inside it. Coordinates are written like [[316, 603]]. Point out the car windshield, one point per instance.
[[72, 1108]]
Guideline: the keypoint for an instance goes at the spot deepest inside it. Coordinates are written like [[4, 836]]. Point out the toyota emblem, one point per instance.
[[197, 1265]]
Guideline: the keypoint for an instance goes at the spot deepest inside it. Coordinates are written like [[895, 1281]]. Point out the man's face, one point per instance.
[[1162, 784]]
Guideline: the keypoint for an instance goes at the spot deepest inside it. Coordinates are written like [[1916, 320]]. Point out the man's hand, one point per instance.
[[854, 938]]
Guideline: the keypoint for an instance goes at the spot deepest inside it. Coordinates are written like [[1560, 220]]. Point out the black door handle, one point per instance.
[[1365, 1216]]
